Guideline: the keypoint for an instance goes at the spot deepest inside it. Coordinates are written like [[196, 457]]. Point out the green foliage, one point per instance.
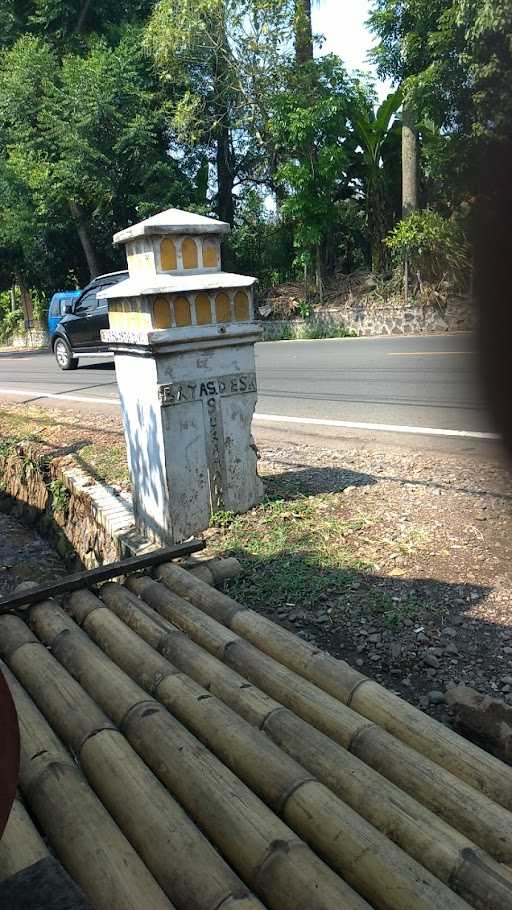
[[310, 126], [260, 243], [434, 247], [377, 133], [222, 519], [60, 496]]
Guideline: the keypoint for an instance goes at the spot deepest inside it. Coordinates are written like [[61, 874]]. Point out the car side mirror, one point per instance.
[[68, 307]]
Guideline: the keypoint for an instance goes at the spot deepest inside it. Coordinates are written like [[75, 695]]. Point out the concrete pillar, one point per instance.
[[183, 336]]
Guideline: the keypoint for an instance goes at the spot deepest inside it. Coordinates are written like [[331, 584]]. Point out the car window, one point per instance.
[[88, 302], [54, 308]]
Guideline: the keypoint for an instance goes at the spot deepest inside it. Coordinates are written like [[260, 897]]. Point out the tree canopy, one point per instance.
[[111, 111]]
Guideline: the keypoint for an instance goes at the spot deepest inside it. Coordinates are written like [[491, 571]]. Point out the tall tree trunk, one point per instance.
[[224, 149], [409, 161], [376, 227], [409, 174], [303, 32], [225, 175], [82, 227], [26, 300], [318, 273]]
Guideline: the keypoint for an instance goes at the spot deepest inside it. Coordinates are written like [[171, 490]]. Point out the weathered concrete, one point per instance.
[[183, 338]]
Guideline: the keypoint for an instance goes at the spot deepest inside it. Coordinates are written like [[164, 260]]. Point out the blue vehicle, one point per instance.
[[57, 308]]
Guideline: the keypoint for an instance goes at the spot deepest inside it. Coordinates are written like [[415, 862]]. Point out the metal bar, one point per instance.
[[102, 573]]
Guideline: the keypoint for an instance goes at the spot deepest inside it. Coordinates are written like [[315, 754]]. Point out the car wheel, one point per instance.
[[64, 356]]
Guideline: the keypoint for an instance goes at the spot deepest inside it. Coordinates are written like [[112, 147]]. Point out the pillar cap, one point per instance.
[[172, 221]]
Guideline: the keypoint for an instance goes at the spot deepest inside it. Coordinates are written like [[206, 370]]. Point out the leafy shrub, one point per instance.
[[435, 248]]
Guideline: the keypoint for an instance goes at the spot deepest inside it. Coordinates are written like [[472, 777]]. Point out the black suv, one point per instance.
[[78, 332]]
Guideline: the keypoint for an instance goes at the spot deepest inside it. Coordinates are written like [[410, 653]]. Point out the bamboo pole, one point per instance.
[[21, 844], [133, 795], [339, 834], [251, 703], [466, 809], [419, 731], [378, 869], [430, 840], [253, 839], [85, 838]]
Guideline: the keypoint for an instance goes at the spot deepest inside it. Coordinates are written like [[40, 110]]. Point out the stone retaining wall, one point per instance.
[[391, 318], [87, 523], [36, 337]]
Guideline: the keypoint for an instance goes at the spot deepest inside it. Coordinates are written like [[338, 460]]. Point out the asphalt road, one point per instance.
[[410, 383]]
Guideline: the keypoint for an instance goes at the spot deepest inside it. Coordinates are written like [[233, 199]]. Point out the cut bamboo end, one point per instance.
[[87, 841], [21, 844]]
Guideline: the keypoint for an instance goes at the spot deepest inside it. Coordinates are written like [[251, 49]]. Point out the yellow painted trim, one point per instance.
[[189, 253], [182, 311], [222, 308], [162, 313], [210, 254], [242, 307], [203, 309], [168, 259]]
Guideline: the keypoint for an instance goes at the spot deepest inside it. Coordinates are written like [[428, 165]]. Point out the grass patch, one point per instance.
[[293, 550], [308, 331], [107, 464], [97, 444]]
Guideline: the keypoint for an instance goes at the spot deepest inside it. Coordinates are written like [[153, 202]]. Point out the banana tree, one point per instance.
[[377, 138]]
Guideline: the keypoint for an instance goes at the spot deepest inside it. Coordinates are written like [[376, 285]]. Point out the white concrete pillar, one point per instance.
[[184, 340]]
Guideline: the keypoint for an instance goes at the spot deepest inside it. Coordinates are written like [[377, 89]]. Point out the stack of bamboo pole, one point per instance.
[[226, 765]]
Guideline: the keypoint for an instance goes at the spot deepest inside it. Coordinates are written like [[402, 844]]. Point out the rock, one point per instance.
[[375, 639], [436, 697], [451, 648], [449, 632], [483, 719], [431, 661], [395, 650], [507, 680]]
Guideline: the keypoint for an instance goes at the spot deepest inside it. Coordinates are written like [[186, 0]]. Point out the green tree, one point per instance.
[[377, 134], [310, 126]]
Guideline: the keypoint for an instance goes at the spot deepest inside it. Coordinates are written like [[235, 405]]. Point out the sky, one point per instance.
[[342, 23]]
